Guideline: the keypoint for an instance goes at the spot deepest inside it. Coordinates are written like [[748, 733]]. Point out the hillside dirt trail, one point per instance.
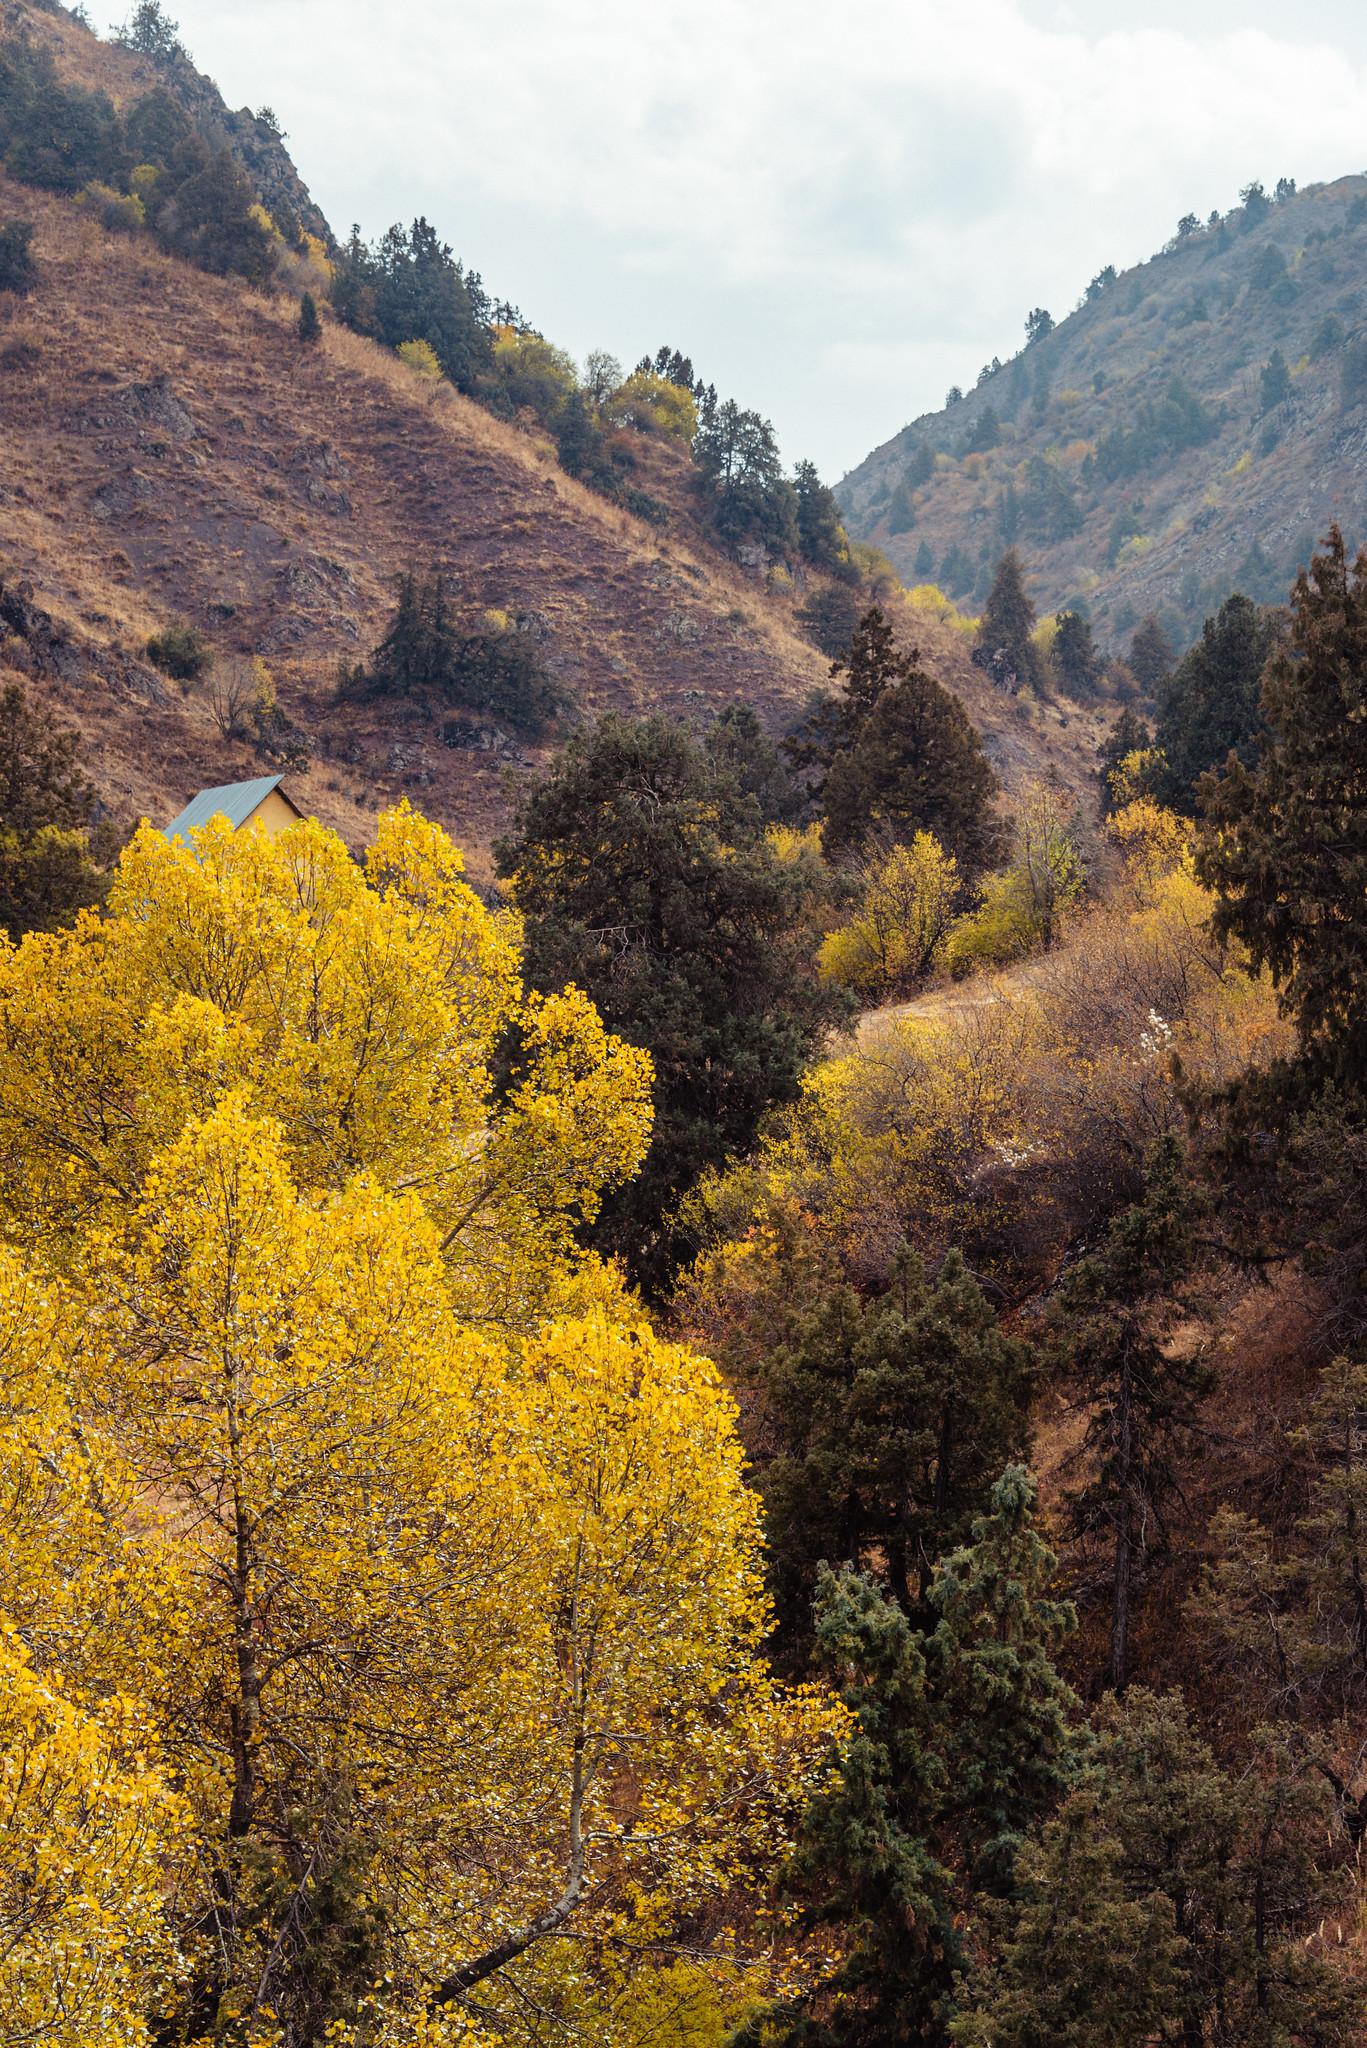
[[948, 999]]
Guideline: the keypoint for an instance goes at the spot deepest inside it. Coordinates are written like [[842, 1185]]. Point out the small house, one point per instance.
[[260, 802]]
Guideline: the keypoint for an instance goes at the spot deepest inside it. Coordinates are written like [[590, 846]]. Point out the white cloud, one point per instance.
[[836, 215]]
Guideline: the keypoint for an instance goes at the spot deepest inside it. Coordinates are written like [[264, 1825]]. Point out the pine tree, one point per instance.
[[1169, 1899], [1151, 655], [869, 664], [965, 1736], [899, 755], [1011, 1747], [880, 1423], [1286, 847], [820, 532], [1074, 658], [1116, 1311], [646, 883], [867, 1864], [1210, 705], [1004, 647], [1078, 1961], [310, 326], [763, 790]]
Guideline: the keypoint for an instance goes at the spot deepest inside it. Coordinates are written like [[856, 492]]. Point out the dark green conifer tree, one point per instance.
[[1116, 1311], [1151, 655], [1210, 704], [917, 766], [1004, 648], [903, 757], [310, 326], [1168, 1899], [820, 531], [965, 1736], [1286, 848], [878, 1425], [1074, 658], [642, 882]]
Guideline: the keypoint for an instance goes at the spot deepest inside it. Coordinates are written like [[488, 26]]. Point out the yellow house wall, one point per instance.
[[273, 814]]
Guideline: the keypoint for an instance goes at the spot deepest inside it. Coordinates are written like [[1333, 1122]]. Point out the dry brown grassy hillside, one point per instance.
[[169, 451]]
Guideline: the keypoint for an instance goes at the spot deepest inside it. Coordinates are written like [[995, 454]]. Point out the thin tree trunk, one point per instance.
[[246, 1709], [1124, 1534]]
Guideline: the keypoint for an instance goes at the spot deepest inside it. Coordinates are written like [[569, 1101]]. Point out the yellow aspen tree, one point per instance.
[[907, 908], [468, 1635], [87, 1956], [360, 1007]]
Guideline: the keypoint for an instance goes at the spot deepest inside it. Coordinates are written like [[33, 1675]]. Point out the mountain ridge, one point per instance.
[[1134, 452]]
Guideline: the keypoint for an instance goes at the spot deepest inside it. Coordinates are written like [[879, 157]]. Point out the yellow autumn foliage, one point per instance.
[[905, 911], [343, 1492], [421, 357], [1008, 1113], [86, 1826]]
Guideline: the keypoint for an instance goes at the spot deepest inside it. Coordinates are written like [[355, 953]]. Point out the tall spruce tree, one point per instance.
[[894, 754], [1074, 659], [1004, 648], [1210, 704], [820, 531], [1286, 844], [1117, 1309], [868, 663], [1169, 1899], [1151, 655], [1011, 1746], [917, 766]]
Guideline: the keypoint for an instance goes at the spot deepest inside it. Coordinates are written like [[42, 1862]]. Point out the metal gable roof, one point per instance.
[[233, 800]]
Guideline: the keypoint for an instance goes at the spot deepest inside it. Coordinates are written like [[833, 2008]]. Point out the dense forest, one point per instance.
[[746, 1432]]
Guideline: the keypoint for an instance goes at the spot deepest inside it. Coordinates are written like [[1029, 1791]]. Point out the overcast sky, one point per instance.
[[837, 211]]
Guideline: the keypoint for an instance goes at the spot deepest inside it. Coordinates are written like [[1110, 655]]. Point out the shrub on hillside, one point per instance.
[[653, 405], [49, 868], [905, 911], [419, 356], [180, 652], [493, 666], [532, 372], [830, 618], [1020, 910], [119, 212], [18, 270], [1353, 377]]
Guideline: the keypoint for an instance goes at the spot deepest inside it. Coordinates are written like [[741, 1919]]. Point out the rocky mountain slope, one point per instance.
[[126, 75], [1189, 429], [173, 453]]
